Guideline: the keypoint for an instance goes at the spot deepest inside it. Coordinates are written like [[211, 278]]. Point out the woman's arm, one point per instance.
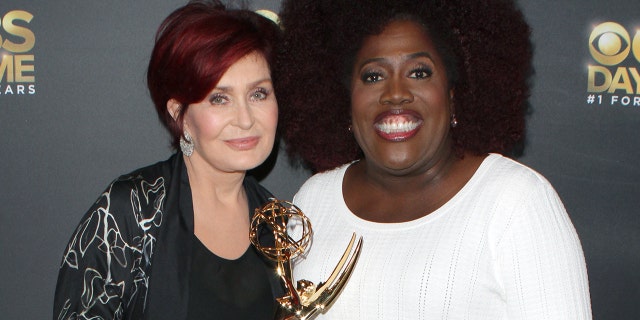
[[540, 260], [98, 265]]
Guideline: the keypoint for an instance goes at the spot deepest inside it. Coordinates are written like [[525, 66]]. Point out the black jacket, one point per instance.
[[130, 256]]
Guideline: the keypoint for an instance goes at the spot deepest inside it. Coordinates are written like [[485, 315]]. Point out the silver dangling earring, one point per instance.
[[454, 120], [186, 144]]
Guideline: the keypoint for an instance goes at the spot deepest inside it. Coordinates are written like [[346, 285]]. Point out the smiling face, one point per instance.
[[400, 99], [234, 127]]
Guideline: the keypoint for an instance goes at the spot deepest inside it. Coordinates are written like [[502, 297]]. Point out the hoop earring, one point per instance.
[[454, 120], [186, 144]]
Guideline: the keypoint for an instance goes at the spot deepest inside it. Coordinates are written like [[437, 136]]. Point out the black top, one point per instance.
[[228, 289]]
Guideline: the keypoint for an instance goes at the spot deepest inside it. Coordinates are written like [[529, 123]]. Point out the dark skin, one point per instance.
[[402, 106], [375, 196]]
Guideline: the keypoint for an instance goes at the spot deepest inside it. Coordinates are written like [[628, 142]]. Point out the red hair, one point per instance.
[[194, 47]]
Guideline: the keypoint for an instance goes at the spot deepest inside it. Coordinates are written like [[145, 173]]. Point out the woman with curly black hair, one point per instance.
[[409, 110]]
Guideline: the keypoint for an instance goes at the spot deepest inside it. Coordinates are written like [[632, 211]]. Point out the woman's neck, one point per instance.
[[382, 196], [220, 209]]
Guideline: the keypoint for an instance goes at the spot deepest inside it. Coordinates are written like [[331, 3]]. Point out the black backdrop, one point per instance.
[[74, 114]]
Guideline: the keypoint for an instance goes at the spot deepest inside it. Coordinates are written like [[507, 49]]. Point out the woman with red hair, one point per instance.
[[170, 241]]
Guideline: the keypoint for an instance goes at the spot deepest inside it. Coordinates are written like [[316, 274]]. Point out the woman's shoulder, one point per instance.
[[509, 184], [511, 173], [146, 177], [141, 191], [326, 179], [322, 186], [163, 168], [516, 188]]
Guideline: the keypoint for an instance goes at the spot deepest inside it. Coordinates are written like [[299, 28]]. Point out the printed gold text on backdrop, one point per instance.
[[602, 80], [17, 65]]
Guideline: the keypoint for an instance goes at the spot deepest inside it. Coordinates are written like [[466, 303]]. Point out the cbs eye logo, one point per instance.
[[610, 44]]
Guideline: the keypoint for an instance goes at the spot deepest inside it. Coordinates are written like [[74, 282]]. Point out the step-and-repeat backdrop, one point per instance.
[[75, 113]]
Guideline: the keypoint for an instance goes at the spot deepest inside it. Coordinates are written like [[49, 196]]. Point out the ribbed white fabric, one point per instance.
[[502, 248]]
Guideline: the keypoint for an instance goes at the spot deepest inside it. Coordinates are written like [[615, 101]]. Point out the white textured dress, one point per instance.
[[502, 248]]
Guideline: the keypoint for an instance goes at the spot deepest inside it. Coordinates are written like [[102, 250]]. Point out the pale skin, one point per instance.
[[233, 130], [401, 113]]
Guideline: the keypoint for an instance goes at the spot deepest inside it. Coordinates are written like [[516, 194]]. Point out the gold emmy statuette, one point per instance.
[[305, 300]]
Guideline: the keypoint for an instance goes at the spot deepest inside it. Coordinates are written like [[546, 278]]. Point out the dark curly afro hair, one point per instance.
[[487, 53]]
